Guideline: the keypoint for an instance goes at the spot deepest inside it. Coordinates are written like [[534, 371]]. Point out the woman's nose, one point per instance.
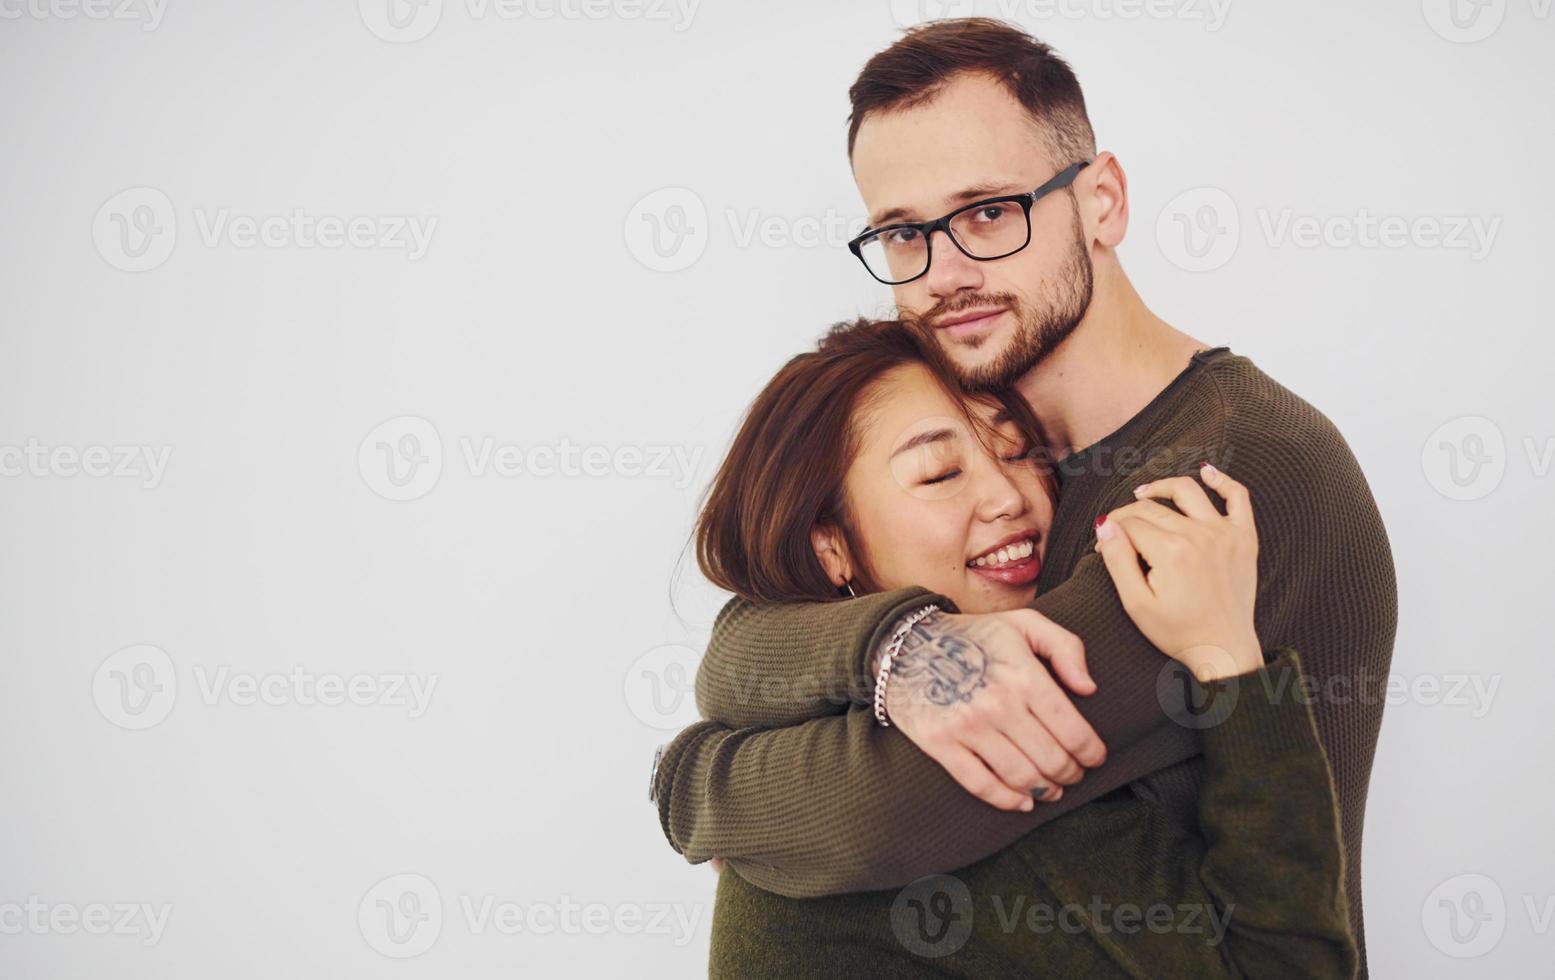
[[998, 494]]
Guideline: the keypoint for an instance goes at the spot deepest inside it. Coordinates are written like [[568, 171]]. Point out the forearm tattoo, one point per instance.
[[939, 664]]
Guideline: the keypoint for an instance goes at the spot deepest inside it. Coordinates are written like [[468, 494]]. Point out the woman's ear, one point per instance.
[[832, 552]]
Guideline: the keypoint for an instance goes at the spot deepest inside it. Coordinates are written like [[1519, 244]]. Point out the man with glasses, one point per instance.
[[1019, 282]]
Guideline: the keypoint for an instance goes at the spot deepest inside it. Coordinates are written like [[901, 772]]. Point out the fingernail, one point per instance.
[[1026, 806], [1039, 792], [1139, 489], [1101, 519], [1104, 529]]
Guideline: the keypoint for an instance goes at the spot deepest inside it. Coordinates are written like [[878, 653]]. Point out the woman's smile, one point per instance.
[[1015, 560]]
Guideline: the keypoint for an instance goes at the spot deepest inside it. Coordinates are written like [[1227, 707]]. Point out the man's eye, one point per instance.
[[944, 477], [901, 236], [989, 213]]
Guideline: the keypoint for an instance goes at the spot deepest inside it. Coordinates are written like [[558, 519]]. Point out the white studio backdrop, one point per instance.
[[361, 365]]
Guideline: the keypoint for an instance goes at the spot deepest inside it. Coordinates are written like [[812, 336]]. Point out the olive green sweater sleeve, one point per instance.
[[1251, 881], [784, 663], [1269, 816], [799, 810], [899, 817]]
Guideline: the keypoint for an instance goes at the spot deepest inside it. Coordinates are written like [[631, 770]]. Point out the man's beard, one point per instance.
[[1038, 332]]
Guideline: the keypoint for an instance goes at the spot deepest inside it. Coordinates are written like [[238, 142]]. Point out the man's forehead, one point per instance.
[[925, 159]]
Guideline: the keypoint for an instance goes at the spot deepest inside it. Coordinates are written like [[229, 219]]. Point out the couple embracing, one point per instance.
[[1059, 637]]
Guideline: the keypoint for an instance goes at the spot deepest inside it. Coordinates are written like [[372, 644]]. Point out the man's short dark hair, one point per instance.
[[912, 72]]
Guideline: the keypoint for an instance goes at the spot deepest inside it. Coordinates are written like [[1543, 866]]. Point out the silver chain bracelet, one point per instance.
[[892, 650]]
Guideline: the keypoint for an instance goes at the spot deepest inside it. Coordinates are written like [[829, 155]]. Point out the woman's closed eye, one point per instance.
[[1022, 454], [944, 477]]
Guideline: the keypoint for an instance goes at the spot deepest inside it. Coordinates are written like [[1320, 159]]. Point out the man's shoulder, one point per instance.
[[1268, 427]]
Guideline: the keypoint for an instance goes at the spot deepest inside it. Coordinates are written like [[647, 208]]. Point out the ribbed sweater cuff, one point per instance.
[[897, 605], [1269, 716]]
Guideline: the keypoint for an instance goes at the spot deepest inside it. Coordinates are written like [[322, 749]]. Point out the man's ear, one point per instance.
[[1108, 204], [832, 552]]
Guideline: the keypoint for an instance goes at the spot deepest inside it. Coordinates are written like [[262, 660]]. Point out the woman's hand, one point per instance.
[[1196, 600]]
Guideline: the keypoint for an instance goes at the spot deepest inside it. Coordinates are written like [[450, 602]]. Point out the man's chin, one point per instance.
[[979, 359]]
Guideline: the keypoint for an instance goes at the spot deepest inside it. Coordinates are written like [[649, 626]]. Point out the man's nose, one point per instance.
[[950, 271]]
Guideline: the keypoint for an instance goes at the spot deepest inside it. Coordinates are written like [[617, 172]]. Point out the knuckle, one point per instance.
[[963, 726], [1024, 774]]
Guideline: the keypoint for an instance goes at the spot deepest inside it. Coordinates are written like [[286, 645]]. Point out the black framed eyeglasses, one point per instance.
[[983, 230]]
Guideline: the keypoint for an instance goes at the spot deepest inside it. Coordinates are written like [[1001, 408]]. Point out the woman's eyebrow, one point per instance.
[[923, 439]]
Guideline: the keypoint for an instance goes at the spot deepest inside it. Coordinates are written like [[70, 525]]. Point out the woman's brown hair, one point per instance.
[[784, 473]]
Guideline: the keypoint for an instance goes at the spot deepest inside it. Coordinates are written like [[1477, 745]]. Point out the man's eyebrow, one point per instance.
[[923, 439], [973, 193]]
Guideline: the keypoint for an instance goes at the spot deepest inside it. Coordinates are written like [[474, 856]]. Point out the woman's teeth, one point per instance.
[[1005, 556]]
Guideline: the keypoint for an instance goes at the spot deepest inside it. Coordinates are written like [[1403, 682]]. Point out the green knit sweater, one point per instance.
[[1249, 884], [805, 797]]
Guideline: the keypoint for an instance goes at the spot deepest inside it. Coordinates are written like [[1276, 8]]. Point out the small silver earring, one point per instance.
[[849, 586]]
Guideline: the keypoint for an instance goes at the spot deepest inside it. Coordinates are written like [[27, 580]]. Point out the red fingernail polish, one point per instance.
[[1203, 463], [1101, 519]]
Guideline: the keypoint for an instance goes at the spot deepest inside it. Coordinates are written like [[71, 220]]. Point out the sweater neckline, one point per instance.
[[1195, 363]]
